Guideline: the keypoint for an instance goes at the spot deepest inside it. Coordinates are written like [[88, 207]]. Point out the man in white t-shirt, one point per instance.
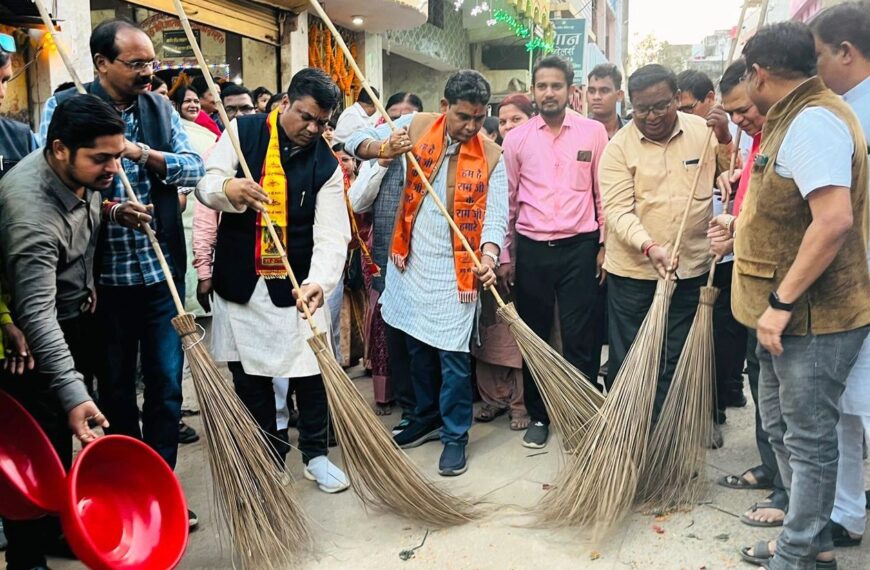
[[358, 116], [843, 46]]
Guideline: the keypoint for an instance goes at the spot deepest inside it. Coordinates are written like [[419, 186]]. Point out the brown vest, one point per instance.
[[420, 125], [774, 218]]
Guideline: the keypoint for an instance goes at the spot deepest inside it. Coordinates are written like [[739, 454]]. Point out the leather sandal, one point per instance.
[[763, 480]]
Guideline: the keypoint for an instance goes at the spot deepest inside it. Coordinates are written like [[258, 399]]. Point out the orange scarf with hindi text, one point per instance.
[[469, 202]]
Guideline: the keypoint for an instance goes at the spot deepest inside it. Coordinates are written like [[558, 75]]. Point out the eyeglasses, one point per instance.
[[656, 109], [139, 66], [688, 108], [239, 109], [7, 43], [747, 74]]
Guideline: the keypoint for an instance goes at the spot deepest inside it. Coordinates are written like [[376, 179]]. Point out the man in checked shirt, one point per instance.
[[134, 307]]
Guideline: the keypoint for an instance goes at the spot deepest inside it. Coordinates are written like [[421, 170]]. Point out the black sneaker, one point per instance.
[[842, 537], [536, 436], [186, 434], [401, 426], [192, 520], [452, 462], [417, 434]]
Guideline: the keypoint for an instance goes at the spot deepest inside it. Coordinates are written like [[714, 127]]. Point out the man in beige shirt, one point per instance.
[[646, 177]]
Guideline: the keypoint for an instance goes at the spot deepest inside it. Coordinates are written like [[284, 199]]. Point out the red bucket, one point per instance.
[[31, 474], [125, 509]]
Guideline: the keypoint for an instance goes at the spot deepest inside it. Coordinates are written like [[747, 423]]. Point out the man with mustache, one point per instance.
[[646, 180], [556, 227], [257, 328], [50, 217], [604, 93], [135, 307]]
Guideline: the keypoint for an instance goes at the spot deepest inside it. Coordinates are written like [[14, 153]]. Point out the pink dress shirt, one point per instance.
[[553, 180]]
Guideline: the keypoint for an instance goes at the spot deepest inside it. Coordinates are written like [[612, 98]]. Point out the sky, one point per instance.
[[681, 21]]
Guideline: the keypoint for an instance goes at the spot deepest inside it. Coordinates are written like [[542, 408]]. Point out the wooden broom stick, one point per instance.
[[410, 155], [131, 195], [234, 139]]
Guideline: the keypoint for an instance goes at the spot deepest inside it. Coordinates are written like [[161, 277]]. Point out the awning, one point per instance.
[[248, 19]]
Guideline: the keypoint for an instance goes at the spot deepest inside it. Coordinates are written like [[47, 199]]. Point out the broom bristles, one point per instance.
[[599, 486], [267, 526], [380, 473], [571, 399], [672, 475]]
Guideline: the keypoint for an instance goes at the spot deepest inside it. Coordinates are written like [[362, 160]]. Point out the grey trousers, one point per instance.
[[799, 394]]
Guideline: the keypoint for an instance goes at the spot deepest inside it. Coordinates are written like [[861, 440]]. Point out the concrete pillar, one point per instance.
[[294, 49], [48, 71], [373, 61]]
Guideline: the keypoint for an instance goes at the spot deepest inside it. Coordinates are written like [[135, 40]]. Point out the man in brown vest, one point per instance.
[[801, 279]]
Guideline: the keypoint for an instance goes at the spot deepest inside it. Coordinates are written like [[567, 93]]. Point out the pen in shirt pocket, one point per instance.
[[691, 162]]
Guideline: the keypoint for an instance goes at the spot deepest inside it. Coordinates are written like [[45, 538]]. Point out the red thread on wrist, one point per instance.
[[649, 246]]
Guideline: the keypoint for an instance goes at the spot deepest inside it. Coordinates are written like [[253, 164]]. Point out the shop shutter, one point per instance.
[[247, 19]]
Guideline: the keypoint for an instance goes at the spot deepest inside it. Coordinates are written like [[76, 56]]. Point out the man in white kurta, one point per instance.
[[258, 328]]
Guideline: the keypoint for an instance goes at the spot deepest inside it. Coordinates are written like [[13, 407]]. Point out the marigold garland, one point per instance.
[[324, 54]]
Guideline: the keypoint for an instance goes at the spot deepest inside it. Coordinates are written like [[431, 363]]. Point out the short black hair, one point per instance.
[[338, 147], [649, 75], [490, 124], [260, 91], [467, 85], [316, 84], [200, 86], [732, 77], [555, 62], [786, 49], [64, 86], [849, 22], [403, 96], [5, 57], [156, 83], [695, 82], [80, 120], [610, 70], [231, 89], [103, 37], [363, 96]]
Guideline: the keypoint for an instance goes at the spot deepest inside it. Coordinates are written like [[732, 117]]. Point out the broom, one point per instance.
[[381, 474], [267, 525], [672, 476], [570, 397], [600, 485]]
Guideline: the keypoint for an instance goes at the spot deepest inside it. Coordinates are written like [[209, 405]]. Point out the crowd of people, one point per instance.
[[574, 219]]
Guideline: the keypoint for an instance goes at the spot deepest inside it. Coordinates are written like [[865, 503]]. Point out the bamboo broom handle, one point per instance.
[[413, 160], [131, 196], [737, 33], [234, 139], [726, 202]]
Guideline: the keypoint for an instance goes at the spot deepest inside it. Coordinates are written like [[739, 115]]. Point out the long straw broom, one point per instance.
[[267, 526], [380, 473], [600, 485], [673, 473], [570, 397]]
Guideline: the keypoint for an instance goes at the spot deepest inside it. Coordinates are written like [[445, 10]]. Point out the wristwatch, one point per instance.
[[492, 256], [776, 303], [146, 150]]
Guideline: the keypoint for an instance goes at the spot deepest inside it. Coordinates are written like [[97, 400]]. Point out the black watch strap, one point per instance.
[[778, 304]]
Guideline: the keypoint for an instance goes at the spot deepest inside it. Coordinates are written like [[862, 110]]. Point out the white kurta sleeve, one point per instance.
[[365, 188], [331, 235], [222, 163]]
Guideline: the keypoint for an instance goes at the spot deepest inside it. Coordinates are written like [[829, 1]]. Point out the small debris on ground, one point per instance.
[[409, 553], [594, 555], [658, 529], [723, 537]]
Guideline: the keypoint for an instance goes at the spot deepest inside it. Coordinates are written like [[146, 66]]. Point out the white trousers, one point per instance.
[[849, 505]]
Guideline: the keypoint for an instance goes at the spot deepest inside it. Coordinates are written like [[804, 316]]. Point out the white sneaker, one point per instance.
[[327, 475]]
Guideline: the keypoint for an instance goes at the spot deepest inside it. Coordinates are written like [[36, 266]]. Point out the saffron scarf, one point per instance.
[[469, 202], [268, 261]]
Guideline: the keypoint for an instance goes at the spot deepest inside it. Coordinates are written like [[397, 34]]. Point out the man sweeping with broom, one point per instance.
[[431, 291], [257, 329]]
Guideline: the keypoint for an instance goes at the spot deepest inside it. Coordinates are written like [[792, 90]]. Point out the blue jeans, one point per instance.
[[799, 395], [449, 397], [134, 322]]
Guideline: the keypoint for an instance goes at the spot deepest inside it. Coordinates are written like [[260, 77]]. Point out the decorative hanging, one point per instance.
[[324, 54], [520, 30]]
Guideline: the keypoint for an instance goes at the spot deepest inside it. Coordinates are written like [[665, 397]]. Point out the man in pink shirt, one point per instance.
[[556, 225]]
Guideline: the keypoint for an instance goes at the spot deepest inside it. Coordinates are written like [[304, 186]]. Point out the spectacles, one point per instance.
[[688, 108], [7, 43], [657, 109], [139, 66], [239, 109], [747, 74]]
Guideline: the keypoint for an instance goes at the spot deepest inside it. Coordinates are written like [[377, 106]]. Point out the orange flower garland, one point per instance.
[[324, 54]]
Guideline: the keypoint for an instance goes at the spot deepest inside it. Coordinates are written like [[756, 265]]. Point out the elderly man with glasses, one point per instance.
[[134, 307], [646, 177]]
